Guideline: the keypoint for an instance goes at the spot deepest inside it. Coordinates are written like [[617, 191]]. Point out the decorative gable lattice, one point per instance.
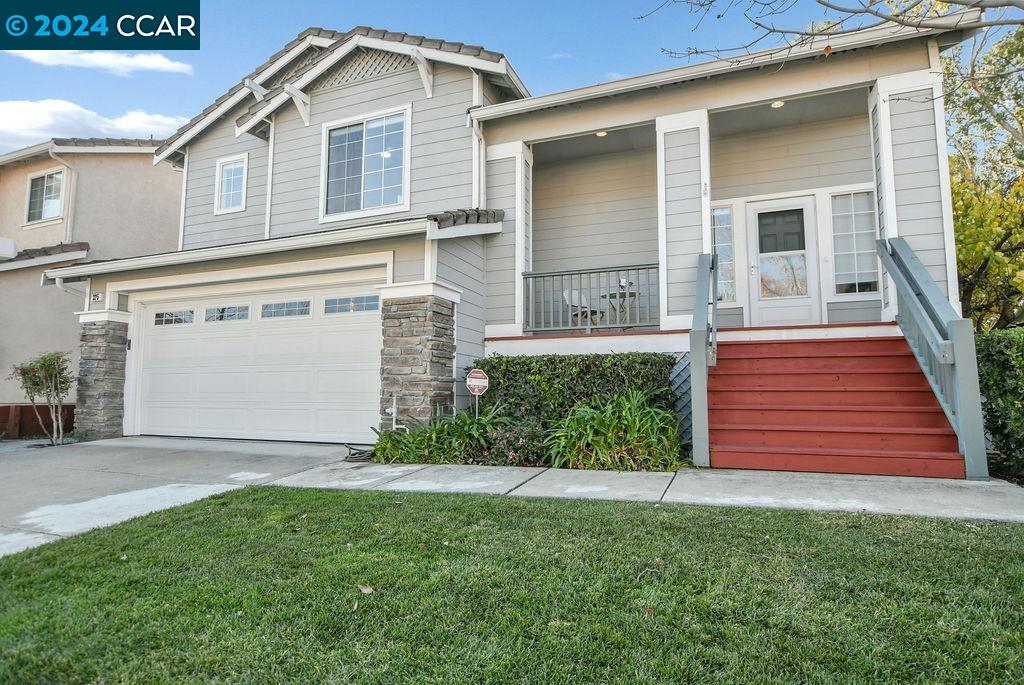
[[363, 64], [298, 64]]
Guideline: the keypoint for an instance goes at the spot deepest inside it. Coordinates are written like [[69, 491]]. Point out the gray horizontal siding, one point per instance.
[[441, 146], [854, 312], [730, 317], [501, 248], [202, 227], [796, 158], [917, 181], [683, 219], [595, 213], [460, 262]]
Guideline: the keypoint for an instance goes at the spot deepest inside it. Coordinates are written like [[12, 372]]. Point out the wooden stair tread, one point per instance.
[[815, 407], [901, 430], [839, 452]]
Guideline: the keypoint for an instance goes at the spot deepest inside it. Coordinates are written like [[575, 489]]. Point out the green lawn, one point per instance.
[[262, 585]]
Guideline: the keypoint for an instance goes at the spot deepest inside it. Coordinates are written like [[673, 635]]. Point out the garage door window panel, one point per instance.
[[282, 310], [357, 303], [176, 317], [228, 313]]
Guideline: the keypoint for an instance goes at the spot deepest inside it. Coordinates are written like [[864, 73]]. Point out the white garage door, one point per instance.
[[296, 364]]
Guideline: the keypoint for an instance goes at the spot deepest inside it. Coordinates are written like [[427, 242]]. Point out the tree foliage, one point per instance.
[[47, 379], [985, 120]]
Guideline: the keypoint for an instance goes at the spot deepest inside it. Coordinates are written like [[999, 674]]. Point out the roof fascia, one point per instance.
[[13, 264], [25, 153], [860, 39], [240, 95], [97, 149]]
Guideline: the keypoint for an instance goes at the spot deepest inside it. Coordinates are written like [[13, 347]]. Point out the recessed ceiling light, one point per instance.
[[601, 134], [778, 103]]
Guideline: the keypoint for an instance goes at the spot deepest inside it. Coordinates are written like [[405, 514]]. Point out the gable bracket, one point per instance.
[[426, 71], [301, 101], [258, 91]]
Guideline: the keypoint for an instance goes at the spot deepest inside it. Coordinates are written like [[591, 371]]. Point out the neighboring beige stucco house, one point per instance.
[[63, 201]]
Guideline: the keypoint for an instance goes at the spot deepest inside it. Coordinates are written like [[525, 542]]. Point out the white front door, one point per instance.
[[278, 364], [783, 262]]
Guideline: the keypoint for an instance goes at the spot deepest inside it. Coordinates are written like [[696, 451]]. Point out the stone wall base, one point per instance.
[[99, 413], [417, 359]]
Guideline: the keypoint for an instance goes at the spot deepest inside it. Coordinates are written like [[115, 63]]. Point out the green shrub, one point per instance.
[[624, 432], [459, 439], [1001, 375], [521, 442], [547, 387]]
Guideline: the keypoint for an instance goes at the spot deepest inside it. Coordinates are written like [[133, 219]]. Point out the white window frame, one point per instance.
[[826, 261], [834, 294], [323, 304], [736, 301], [244, 159], [325, 134], [28, 196]]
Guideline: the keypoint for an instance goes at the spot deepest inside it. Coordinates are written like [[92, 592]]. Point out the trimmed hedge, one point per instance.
[[1001, 375], [547, 387]]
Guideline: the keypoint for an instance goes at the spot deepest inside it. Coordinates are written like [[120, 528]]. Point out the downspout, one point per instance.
[[69, 233], [59, 282]]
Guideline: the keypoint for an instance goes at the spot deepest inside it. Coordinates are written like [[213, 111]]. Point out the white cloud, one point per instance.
[[560, 55], [26, 122], [119, 63]]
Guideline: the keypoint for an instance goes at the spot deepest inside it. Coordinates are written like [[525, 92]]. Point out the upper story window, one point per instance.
[[45, 196], [366, 166], [853, 240], [229, 194]]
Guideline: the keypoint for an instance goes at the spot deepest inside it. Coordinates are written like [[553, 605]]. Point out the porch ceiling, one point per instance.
[[590, 145], [795, 112]]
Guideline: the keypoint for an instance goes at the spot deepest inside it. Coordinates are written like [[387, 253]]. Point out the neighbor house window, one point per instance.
[[721, 220], [178, 316], [275, 310], [359, 303], [854, 233], [233, 313], [45, 196], [230, 184], [366, 165]]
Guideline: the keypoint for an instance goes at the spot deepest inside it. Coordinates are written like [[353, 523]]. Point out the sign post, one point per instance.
[[477, 383]]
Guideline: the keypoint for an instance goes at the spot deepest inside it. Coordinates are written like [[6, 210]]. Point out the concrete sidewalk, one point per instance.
[[994, 500]]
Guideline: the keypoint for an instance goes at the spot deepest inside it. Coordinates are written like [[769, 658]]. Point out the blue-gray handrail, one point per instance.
[[703, 353], [943, 343]]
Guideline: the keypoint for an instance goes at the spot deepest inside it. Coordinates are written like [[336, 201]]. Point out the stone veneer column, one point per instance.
[[418, 357], [99, 407]]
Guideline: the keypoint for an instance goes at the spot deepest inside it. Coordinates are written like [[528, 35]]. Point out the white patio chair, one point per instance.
[[580, 309]]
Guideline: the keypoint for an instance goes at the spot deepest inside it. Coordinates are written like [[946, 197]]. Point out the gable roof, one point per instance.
[[336, 44]]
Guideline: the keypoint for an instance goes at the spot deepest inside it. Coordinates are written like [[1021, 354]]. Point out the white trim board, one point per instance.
[[208, 254], [16, 264]]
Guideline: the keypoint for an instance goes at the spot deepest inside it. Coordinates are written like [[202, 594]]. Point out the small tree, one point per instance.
[[48, 379]]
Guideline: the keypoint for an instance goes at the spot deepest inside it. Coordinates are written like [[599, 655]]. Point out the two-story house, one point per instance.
[[368, 211], [64, 201]]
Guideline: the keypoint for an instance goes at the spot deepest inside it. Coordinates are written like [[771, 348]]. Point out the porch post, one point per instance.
[[99, 409]]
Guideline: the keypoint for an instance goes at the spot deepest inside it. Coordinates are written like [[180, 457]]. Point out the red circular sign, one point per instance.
[[477, 382]]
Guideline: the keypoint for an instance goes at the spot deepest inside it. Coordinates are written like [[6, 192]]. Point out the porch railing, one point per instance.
[[703, 354], [622, 297], [943, 343]]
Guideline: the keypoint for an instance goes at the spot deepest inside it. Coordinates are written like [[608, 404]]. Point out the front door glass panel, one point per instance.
[[782, 258]]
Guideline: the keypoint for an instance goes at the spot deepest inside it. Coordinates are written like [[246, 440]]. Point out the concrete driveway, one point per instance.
[[53, 492]]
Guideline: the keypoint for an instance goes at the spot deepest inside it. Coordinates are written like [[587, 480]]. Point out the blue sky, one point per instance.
[[552, 44]]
